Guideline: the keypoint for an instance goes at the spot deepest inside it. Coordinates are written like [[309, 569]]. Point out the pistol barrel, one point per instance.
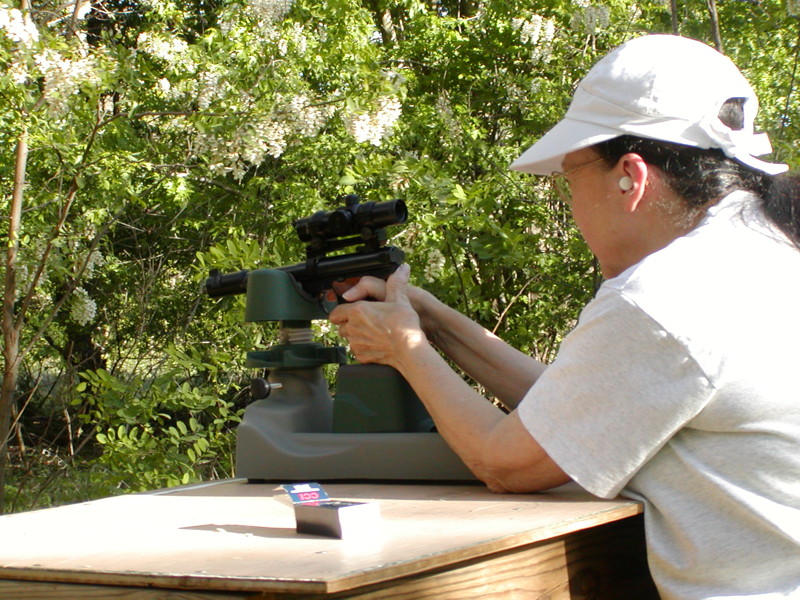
[[218, 285]]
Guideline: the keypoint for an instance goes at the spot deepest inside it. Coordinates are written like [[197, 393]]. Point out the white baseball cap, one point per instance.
[[663, 87]]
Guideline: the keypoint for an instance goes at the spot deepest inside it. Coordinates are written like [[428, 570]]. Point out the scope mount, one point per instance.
[[372, 239]]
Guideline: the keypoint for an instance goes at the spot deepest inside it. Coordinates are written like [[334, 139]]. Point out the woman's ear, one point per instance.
[[631, 173]]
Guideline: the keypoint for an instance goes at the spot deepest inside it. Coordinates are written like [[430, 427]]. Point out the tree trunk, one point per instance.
[[388, 32], [714, 16], [673, 6], [11, 325]]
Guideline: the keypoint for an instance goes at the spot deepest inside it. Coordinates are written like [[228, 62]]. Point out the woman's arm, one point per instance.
[[504, 371], [495, 446]]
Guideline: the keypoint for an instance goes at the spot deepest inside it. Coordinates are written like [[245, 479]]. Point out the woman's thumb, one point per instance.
[[397, 284]]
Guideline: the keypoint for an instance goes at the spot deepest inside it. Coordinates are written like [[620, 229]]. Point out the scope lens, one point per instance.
[[400, 211]]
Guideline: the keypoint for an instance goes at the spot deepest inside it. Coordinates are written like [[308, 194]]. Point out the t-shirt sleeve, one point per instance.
[[619, 388]]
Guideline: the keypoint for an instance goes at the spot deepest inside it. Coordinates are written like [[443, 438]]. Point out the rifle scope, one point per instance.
[[362, 222], [355, 218]]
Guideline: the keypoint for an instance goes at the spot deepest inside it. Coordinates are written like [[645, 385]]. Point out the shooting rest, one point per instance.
[[375, 429]]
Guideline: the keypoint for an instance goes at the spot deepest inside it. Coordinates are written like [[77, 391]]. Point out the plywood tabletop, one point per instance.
[[235, 535]]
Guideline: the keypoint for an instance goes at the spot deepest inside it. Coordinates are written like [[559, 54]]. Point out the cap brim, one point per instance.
[[546, 155], [569, 135]]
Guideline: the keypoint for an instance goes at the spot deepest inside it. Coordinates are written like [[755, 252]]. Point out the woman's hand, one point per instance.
[[367, 288], [385, 331]]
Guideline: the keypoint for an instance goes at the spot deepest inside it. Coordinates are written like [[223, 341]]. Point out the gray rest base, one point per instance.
[[267, 451]]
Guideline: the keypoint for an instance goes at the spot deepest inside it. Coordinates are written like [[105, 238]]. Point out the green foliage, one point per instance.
[[167, 139], [172, 429]]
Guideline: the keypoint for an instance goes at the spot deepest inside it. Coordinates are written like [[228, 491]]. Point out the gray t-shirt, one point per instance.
[[680, 386]]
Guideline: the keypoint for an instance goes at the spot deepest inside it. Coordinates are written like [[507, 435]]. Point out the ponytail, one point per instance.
[[781, 198]]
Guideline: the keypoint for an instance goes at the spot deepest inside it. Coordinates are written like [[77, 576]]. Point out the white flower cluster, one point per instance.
[[376, 126], [28, 263], [21, 30], [400, 182], [164, 86], [592, 19], [209, 87], [25, 274], [436, 262], [295, 36], [322, 327], [256, 139], [63, 77], [95, 259], [270, 11], [167, 48], [67, 258], [266, 138], [18, 71], [305, 118], [17, 27], [539, 33], [203, 88], [82, 308]]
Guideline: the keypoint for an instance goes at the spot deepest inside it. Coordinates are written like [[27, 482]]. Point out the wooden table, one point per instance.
[[234, 539]]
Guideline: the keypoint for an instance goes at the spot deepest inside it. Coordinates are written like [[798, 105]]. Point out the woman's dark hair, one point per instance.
[[701, 176]]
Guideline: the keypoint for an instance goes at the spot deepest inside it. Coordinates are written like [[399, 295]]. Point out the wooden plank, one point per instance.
[[37, 590], [235, 536], [603, 563]]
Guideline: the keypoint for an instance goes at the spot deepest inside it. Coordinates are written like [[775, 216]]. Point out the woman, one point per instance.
[[676, 387]]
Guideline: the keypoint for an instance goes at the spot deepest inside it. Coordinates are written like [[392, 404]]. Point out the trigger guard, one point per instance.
[[327, 304]]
